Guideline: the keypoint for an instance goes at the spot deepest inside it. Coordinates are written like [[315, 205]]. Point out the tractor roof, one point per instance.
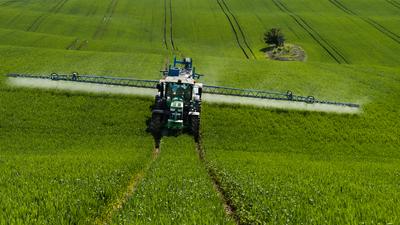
[[183, 79]]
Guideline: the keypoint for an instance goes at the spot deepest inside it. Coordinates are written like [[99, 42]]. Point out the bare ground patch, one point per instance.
[[289, 52]]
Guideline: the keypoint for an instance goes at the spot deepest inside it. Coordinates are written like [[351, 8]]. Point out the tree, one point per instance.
[[274, 37]]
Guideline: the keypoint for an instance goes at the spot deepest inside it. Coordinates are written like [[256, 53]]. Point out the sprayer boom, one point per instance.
[[213, 90]]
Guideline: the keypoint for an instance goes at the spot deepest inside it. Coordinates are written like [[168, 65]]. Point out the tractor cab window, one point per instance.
[[179, 90]]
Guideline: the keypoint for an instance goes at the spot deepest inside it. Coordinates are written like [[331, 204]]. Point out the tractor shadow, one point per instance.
[[157, 136]]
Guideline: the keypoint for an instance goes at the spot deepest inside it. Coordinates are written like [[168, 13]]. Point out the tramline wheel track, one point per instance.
[[101, 28], [39, 20], [165, 25], [240, 28], [77, 44], [388, 33], [171, 30], [332, 51], [168, 39], [8, 3], [233, 29], [230, 208], [132, 186], [394, 3]]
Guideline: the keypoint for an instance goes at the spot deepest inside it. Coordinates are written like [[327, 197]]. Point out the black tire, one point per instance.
[[157, 99], [156, 124], [195, 127]]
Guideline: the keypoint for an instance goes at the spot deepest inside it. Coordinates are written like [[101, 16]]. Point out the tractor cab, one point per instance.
[[179, 89]]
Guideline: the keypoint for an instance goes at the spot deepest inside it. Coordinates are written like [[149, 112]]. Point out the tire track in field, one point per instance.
[[332, 51], [171, 26], [388, 33], [102, 27], [19, 15], [39, 20], [165, 25], [233, 29], [92, 9], [239, 28], [15, 18], [117, 205], [8, 3], [73, 45], [230, 209], [77, 44], [82, 45], [394, 3]]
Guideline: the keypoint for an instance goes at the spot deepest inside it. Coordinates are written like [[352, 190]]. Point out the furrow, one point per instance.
[[230, 209], [395, 37], [328, 47], [233, 29], [239, 28], [101, 29], [171, 26]]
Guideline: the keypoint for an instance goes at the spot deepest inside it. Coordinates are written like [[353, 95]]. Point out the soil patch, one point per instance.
[[289, 52]]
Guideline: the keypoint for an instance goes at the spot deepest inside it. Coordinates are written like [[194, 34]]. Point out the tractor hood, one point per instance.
[[175, 120], [176, 103]]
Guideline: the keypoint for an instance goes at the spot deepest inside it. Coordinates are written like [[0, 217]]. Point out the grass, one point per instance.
[[67, 157]]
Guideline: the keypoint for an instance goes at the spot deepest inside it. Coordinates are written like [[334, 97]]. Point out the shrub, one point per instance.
[[274, 37]]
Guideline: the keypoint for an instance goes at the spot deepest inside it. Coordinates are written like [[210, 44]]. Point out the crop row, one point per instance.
[[274, 188], [176, 190], [278, 166], [66, 157]]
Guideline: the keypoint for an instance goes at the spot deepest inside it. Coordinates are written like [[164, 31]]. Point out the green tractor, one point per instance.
[[177, 104]]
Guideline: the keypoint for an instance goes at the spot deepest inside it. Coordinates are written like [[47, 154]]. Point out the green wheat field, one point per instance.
[[79, 158]]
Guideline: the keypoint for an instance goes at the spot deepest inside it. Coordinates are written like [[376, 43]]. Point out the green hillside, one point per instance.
[[68, 158]]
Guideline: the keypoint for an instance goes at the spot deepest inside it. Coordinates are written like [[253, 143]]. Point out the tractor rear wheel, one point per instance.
[[195, 127]]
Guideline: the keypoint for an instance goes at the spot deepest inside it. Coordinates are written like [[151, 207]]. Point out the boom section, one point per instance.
[[288, 96], [129, 82]]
